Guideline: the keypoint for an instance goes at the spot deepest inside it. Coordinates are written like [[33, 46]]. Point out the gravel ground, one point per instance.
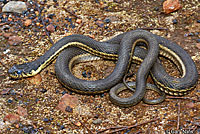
[[31, 105]]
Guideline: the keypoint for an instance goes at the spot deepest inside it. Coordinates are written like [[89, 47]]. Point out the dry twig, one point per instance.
[[90, 131], [152, 28], [70, 12], [179, 97], [44, 26], [77, 30], [178, 120], [121, 128]]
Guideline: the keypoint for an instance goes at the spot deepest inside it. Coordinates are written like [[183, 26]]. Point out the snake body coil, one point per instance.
[[116, 50]]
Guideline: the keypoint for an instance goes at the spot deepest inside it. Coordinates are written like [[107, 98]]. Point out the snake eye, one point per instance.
[[19, 72]]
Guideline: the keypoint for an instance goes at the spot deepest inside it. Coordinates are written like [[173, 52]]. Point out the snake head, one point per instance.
[[20, 70]]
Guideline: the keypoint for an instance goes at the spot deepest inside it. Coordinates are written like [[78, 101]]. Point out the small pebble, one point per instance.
[[198, 40], [62, 127], [97, 121], [27, 22], [68, 109], [156, 8], [185, 35], [96, 116], [79, 21], [36, 100], [41, 128], [72, 26], [43, 90], [48, 132], [102, 95], [50, 16], [84, 74], [191, 34], [51, 28], [10, 101], [107, 20], [64, 92], [45, 119], [198, 21], [174, 21], [127, 131], [89, 74], [100, 23]]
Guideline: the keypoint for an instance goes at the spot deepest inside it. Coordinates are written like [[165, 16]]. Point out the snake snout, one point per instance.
[[14, 72], [17, 71]]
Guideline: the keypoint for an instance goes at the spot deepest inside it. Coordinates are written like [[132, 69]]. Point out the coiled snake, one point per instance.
[[123, 48]]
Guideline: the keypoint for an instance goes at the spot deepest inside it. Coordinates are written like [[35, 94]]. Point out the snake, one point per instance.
[[77, 45]]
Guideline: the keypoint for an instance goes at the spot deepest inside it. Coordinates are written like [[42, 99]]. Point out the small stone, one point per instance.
[[17, 125], [198, 21], [62, 127], [37, 79], [68, 34], [29, 129], [43, 90], [68, 109], [22, 111], [10, 101], [57, 91], [50, 16], [12, 118], [51, 119], [64, 92], [48, 131], [185, 35], [45, 119], [15, 6], [97, 121], [100, 23], [67, 100], [7, 35], [5, 92], [127, 131], [28, 22], [198, 45], [41, 128], [84, 74], [198, 40], [190, 105], [174, 21], [171, 6], [72, 26], [77, 123], [156, 8], [107, 20], [79, 21], [14, 40], [51, 28]]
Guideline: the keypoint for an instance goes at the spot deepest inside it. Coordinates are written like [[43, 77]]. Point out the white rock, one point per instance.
[[15, 6]]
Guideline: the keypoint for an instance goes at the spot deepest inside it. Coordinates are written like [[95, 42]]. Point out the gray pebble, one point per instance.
[[15, 6], [97, 121]]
